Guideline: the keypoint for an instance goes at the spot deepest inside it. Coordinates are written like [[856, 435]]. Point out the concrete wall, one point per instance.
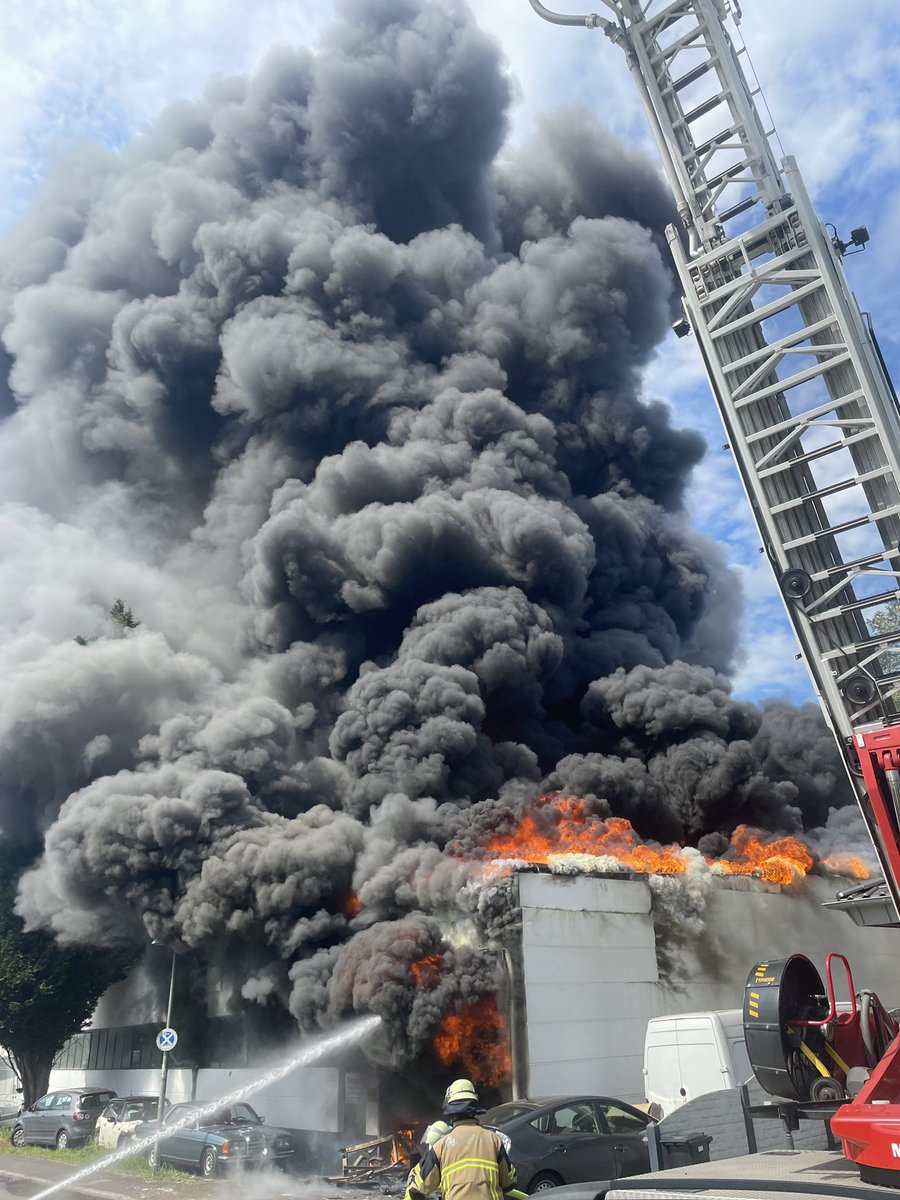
[[600, 956], [591, 981]]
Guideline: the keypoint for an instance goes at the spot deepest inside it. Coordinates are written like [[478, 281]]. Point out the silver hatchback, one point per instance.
[[61, 1119]]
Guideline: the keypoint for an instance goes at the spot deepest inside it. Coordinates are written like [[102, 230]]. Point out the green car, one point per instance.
[[215, 1142]]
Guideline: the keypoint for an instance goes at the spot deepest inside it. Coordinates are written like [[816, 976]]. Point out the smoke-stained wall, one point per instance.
[[346, 405]]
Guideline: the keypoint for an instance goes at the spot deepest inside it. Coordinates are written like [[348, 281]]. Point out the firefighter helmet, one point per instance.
[[435, 1132], [460, 1098]]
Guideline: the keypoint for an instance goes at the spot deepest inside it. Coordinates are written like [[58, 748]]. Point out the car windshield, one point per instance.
[[143, 1109], [95, 1100], [235, 1114], [505, 1113], [181, 1113]]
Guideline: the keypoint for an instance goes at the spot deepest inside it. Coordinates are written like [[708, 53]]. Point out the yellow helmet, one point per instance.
[[435, 1132], [460, 1097]]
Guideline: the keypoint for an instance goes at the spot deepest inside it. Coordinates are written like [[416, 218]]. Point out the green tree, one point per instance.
[[47, 991], [886, 620], [122, 618]]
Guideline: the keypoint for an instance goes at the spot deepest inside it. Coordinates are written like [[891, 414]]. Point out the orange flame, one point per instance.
[[351, 905], [427, 971], [402, 1147], [557, 825], [847, 864], [780, 860], [477, 1039]]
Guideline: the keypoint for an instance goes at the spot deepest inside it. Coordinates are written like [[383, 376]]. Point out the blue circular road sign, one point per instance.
[[166, 1039]]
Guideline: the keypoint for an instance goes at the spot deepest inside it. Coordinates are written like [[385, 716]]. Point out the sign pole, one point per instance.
[[165, 1044]]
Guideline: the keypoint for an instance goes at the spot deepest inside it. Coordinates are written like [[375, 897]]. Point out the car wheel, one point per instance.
[[62, 1140], [208, 1163], [153, 1158], [544, 1182], [18, 1136]]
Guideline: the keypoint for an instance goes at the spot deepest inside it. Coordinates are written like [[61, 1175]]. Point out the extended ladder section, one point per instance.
[[809, 412]]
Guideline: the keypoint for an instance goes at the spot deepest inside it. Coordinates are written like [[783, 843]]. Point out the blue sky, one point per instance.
[[99, 71]]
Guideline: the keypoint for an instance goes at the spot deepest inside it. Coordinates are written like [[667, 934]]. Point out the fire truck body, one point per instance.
[[812, 420]]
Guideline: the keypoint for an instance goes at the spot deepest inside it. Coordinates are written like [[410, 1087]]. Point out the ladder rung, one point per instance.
[[856, 606], [831, 490], [737, 209], [661, 22], [725, 176], [666, 55], [722, 136], [792, 343], [791, 381], [804, 418], [844, 527], [758, 315], [878, 639], [811, 455], [691, 76], [853, 564], [702, 109]]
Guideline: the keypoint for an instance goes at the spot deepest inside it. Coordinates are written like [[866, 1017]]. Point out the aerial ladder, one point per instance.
[[812, 420]]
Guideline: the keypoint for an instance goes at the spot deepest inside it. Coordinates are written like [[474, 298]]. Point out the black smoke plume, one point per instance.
[[348, 410]]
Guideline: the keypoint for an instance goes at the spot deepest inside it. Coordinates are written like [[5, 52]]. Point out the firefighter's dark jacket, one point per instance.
[[468, 1163]]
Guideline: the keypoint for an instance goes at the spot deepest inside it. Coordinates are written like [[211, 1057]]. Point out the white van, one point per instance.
[[687, 1055]]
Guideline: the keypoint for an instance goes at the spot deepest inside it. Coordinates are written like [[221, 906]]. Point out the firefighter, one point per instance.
[[435, 1130], [468, 1163]]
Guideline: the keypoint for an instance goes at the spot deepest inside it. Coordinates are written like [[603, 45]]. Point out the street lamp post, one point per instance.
[[164, 1069]]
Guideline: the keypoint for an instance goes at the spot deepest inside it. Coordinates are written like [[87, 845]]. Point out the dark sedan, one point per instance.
[[211, 1142], [572, 1139]]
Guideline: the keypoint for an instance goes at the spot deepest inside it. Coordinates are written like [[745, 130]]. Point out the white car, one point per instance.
[[118, 1121]]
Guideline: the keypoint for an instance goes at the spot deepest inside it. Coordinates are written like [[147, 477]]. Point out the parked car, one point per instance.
[[572, 1139], [121, 1117], [233, 1134], [61, 1119]]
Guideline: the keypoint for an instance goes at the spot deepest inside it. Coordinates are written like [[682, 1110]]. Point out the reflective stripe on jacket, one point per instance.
[[468, 1163]]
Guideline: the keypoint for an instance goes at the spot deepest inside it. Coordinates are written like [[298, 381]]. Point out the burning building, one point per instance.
[[578, 932], [348, 407]]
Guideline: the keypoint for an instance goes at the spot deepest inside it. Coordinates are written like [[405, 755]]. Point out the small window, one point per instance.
[[570, 1118], [45, 1102], [624, 1120], [63, 1100], [95, 1100]]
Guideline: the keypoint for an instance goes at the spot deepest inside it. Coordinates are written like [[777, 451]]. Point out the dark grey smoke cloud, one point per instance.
[[350, 414]]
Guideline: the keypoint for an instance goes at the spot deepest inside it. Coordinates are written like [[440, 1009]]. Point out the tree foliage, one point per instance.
[[47, 991], [121, 616], [887, 621], [122, 619]]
